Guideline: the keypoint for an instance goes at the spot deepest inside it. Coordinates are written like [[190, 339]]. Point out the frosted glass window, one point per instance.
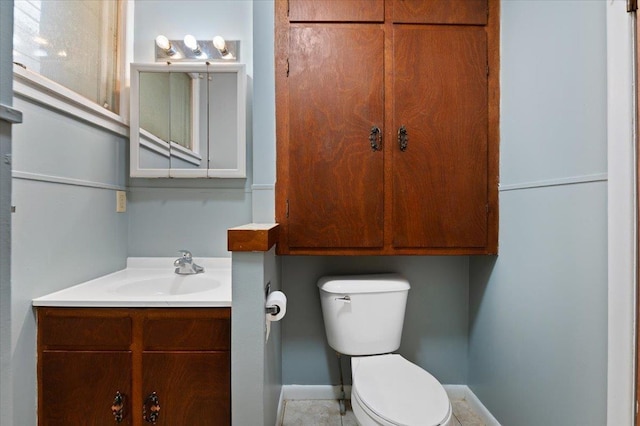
[[72, 42]]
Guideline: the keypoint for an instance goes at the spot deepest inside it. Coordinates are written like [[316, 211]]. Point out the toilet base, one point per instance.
[[365, 417]]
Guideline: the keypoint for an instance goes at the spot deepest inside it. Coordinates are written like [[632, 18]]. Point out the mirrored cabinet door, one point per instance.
[[188, 120]]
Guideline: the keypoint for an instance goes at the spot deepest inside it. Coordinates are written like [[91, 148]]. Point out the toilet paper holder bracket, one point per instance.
[[273, 310]]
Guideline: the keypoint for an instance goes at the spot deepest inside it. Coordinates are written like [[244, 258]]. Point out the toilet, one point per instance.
[[363, 317]]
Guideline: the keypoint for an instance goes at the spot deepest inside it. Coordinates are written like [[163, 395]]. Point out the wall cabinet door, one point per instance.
[[440, 101], [336, 97], [336, 11], [430, 186], [469, 12], [79, 387]]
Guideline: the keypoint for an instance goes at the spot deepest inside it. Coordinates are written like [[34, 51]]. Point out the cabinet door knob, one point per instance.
[[151, 408], [375, 138], [117, 408], [403, 138]]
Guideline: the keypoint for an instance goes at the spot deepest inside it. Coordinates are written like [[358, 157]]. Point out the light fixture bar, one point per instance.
[[207, 52]]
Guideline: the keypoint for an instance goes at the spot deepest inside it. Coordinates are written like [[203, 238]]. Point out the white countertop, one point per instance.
[[150, 282]]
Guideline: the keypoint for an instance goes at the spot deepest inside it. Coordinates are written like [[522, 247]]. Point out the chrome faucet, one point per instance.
[[184, 264]]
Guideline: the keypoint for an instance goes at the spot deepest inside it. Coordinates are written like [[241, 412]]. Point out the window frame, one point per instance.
[[34, 87]]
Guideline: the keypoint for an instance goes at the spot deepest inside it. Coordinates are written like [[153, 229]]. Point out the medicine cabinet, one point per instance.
[[188, 120]]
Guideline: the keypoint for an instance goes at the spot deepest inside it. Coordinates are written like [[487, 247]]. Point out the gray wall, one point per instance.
[[171, 214], [435, 328], [63, 234], [254, 402], [538, 313], [6, 98]]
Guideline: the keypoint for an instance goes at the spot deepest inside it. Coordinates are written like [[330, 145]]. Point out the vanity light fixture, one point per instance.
[[191, 42], [190, 49], [163, 43]]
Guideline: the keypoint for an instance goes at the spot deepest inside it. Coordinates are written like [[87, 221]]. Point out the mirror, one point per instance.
[[188, 120]]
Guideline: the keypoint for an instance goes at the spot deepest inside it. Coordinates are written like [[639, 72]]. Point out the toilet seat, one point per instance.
[[398, 392]]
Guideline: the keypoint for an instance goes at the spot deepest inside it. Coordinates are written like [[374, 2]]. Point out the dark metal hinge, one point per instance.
[[287, 209], [287, 67], [632, 5], [487, 70], [288, 8]]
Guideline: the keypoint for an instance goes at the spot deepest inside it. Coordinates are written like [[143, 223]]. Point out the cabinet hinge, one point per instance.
[[287, 67], [287, 209], [632, 5], [487, 70], [287, 8]]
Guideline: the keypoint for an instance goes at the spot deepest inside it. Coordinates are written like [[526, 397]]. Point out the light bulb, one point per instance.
[[190, 42], [163, 42], [219, 43]]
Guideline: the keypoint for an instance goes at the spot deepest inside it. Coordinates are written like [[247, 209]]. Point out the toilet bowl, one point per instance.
[[388, 390], [363, 317]]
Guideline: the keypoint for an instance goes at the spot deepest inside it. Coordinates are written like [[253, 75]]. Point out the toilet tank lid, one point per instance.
[[373, 283]]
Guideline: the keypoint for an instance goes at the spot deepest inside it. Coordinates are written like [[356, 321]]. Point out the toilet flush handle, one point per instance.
[[345, 299]]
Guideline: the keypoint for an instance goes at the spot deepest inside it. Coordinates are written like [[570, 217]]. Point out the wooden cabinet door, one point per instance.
[[335, 178], [79, 387], [469, 12], [336, 10], [193, 388], [440, 97]]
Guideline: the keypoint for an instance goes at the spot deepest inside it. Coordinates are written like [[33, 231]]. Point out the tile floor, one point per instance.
[[327, 413]]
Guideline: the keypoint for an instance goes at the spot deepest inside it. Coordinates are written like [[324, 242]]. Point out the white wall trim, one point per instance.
[[34, 87], [621, 216], [66, 181], [598, 177], [477, 406], [297, 392]]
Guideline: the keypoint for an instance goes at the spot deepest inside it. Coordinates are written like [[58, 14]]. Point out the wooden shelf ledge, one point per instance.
[[253, 237]]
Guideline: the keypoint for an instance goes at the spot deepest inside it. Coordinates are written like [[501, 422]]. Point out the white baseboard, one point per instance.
[[314, 392], [460, 392], [455, 392], [280, 413]]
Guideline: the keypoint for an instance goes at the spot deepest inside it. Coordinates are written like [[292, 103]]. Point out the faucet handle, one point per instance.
[[186, 254]]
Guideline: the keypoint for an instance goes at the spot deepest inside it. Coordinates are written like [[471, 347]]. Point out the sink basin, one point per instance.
[[168, 286], [150, 282]]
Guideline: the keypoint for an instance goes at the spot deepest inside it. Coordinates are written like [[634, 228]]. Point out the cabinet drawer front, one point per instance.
[[203, 334], [76, 330]]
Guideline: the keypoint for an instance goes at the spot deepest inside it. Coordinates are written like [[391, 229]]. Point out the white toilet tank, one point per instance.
[[363, 314]]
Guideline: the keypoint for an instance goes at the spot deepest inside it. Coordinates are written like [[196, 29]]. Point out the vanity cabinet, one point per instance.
[[387, 126], [171, 362]]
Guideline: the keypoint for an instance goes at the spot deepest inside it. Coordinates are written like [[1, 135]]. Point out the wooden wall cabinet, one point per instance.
[[387, 126], [87, 358]]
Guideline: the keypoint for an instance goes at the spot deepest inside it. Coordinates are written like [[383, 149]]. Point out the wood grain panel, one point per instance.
[[78, 388], [440, 96], [336, 10], [252, 237], [170, 332], [194, 388], [66, 328], [335, 189], [470, 12]]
